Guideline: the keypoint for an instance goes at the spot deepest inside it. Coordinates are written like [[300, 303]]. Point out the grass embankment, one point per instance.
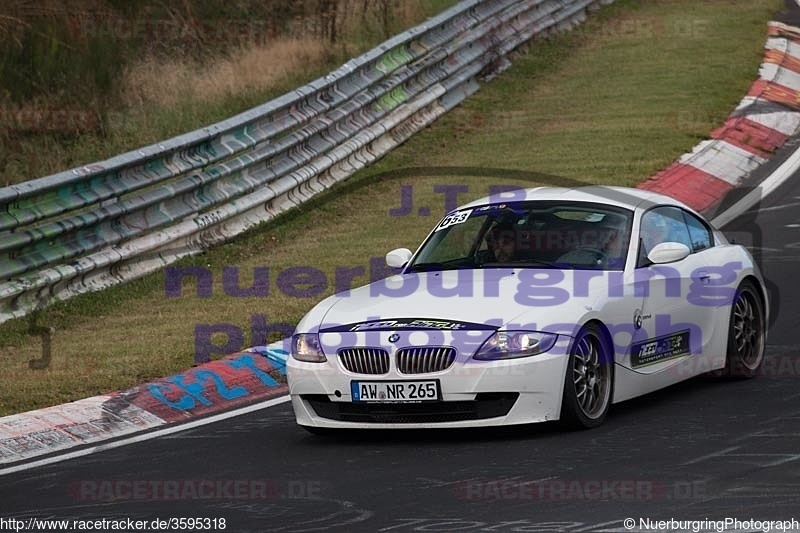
[[87, 80], [612, 104]]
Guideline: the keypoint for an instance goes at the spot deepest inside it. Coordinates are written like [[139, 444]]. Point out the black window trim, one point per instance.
[[711, 240]]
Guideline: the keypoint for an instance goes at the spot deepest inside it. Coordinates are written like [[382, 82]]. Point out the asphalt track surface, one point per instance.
[[703, 449]]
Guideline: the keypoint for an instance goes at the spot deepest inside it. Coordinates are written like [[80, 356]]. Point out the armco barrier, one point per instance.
[[112, 221]]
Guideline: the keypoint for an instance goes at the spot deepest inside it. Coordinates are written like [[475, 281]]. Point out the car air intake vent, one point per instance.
[[365, 360], [425, 359], [485, 405]]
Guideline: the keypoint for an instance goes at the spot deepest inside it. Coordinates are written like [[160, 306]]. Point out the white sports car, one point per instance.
[[552, 304]]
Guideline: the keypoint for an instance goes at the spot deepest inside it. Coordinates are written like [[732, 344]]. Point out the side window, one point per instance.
[[698, 232], [662, 224]]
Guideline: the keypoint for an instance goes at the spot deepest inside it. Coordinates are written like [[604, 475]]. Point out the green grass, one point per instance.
[[54, 70], [586, 106]]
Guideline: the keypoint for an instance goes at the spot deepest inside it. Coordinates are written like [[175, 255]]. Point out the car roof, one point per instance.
[[625, 197]]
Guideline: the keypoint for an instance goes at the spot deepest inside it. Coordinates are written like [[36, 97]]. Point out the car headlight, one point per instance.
[[306, 347], [513, 344]]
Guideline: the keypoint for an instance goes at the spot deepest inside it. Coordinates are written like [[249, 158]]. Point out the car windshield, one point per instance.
[[536, 234]]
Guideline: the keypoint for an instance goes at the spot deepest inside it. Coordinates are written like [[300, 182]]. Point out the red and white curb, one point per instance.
[[223, 386], [762, 123], [61, 427]]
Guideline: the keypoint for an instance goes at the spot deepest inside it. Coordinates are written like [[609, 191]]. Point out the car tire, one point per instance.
[[588, 380], [746, 333]]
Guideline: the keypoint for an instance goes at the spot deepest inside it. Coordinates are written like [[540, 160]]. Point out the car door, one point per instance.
[[674, 328]]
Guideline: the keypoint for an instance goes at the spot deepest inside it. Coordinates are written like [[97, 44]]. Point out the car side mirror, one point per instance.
[[668, 252], [398, 258]]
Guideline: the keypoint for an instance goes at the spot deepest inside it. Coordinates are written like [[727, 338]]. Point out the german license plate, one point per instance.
[[395, 391]]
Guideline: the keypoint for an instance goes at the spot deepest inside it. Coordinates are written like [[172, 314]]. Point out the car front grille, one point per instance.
[[485, 405], [373, 361], [424, 360]]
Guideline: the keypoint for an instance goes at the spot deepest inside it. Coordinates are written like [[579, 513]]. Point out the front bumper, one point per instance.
[[474, 393]]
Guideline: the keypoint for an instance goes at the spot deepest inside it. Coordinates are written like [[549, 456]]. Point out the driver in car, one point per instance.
[[502, 243]]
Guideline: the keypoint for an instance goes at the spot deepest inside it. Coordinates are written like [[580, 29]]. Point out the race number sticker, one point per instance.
[[660, 349], [459, 217]]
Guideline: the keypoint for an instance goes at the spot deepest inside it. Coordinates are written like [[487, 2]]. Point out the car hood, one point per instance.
[[484, 299]]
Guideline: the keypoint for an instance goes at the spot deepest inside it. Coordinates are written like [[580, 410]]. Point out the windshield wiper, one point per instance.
[[428, 267], [518, 264]]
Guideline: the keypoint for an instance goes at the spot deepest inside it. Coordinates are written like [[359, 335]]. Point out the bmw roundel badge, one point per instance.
[[637, 319]]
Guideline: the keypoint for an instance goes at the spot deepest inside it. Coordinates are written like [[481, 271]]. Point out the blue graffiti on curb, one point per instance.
[[226, 378]]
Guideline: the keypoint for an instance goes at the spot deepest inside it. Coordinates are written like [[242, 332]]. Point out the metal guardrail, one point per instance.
[[98, 225]]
